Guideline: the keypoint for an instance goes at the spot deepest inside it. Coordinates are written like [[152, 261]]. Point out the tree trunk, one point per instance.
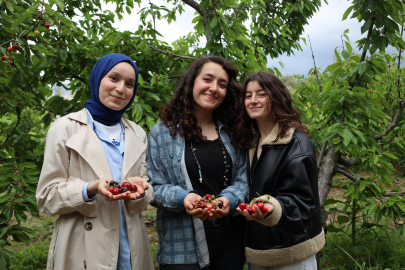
[[326, 174]]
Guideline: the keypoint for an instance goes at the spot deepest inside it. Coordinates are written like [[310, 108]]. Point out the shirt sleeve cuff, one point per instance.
[[231, 199], [180, 195], [87, 198]]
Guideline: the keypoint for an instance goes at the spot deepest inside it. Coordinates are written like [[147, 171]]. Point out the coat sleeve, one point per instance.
[[58, 192], [137, 206], [295, 200], [167, 195], [239, 187]]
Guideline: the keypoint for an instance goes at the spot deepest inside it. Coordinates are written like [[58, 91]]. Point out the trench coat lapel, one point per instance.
[[134, 147], [88, 146]]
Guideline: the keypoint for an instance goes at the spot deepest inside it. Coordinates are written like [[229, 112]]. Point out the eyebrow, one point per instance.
[[211, 75], [261, 89], [117, 73]]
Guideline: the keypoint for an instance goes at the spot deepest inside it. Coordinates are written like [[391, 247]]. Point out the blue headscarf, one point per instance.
[[98, 110]]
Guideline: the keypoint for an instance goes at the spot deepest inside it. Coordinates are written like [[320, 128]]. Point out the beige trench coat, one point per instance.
[[86, 234]]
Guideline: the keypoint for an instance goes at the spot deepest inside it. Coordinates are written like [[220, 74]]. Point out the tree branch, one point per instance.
[[393, 124], [347, 174], [315, 70], [79, 78], [346, 162], [172, 54], [324, 145], [203, 14], [175, 76]]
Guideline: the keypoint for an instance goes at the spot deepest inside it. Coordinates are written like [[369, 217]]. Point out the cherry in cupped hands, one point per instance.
[[206, 207], [130, 189]]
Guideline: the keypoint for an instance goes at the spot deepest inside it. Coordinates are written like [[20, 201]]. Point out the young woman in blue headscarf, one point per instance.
[[84, 151]]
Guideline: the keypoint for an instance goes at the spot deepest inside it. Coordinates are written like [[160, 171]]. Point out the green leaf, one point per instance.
[[63, 54], [327, 85], [347, 12], [343, 219], [152, 95], [333, 66], [9, 6], [361, 67], [244, 39], [214, 22], [346, 54], [65, 20], [20, 19], [349, 47], [196, 19], [332, 201], [347, 136], [337, 73], [390, 155], [21, 237], [366, 25], [2, 262], [61, 4]]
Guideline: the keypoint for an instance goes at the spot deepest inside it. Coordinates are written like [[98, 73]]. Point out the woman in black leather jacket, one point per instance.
[[282, 163]]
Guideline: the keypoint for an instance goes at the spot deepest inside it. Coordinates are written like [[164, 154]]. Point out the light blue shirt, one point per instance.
[[115, 158]]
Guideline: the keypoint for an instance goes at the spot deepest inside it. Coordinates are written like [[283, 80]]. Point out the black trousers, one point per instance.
[[225, 246]]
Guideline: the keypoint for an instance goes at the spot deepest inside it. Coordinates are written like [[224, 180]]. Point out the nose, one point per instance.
[[120, 87], [214, 86], [254, 98]]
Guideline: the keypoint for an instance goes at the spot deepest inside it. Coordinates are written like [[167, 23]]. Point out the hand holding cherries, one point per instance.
[[251, 209], [209, 202], [115, 188]]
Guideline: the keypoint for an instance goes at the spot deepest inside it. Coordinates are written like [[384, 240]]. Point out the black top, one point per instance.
[[209, 155]]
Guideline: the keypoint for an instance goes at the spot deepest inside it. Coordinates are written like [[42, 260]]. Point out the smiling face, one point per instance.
[[257, 102], [209, 88], [117, 86]]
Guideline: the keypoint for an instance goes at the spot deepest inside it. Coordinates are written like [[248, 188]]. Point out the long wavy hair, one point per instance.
[[179, 114], [280, 107]]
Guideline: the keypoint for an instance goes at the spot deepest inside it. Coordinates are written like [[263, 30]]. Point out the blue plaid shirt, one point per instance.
[[181, 236]]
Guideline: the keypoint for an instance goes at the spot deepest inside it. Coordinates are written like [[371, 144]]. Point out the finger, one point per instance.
[[146, 186]]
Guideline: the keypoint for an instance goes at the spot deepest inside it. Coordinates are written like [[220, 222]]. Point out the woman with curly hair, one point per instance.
[[285, 230], [192, 152]]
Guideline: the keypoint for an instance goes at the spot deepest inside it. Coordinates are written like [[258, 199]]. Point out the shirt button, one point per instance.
[[88, 226], [119, 167], [171, 156]]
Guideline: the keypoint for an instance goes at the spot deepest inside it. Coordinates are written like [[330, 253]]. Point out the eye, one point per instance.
[[248, 96], [206, 79], [222, 85], [262, 95], [113, 78]]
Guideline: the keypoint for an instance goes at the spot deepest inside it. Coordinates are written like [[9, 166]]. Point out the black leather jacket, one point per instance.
[[287, 171]]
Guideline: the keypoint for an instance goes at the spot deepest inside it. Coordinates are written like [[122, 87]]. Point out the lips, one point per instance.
[[210, 96], [254, 108], [117, 98]]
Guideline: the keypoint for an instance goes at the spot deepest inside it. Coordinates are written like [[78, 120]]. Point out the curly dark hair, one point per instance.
[[281, 109], [179, 114]]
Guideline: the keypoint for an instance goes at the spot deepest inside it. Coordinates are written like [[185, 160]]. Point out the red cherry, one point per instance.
[[134, 188], [263, 210], [47, 25], [243, 206], [127, 185], [116, 191], [17, 99], [383, 122], [207, 196], [260, 205], [81, 63], [8, 66], [9, 49], [3, 58], [15, 46], [111, 189], [209, 206], [250, 210], [201, 205], [369, 90]]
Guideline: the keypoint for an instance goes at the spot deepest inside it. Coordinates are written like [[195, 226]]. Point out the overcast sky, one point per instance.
[[324, 29]]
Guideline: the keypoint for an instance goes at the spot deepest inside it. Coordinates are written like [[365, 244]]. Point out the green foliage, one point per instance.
[[357, 107], [377, 249], [79, 34]]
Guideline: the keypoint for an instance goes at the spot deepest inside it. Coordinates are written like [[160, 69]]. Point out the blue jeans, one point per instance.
[[225, 246]]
